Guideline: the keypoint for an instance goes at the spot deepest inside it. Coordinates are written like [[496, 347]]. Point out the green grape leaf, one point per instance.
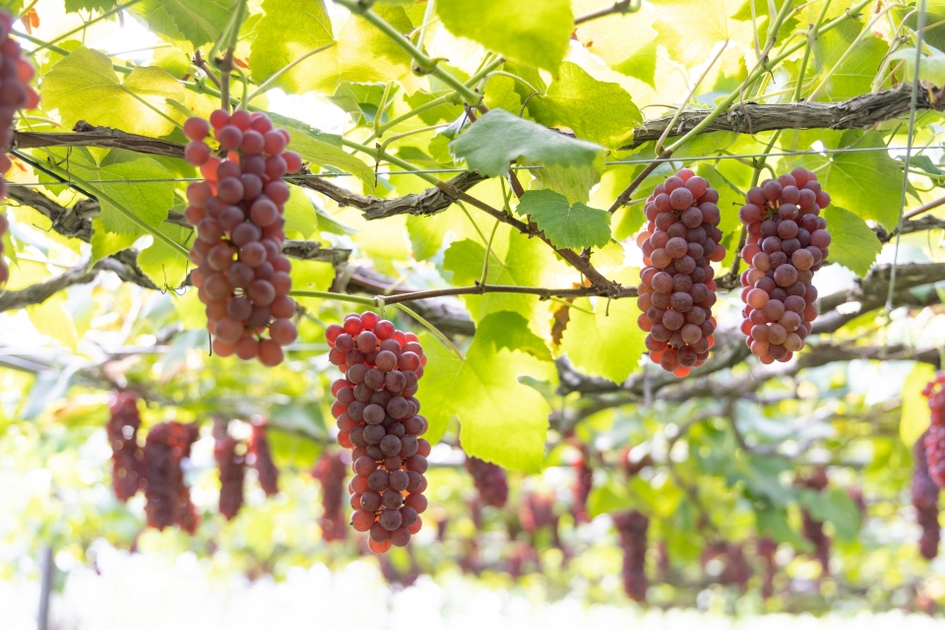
[[166, 265], [83, 86], [576, 226], [773, 522], [597, 111], [499, 137], [190, 22], [854, 74], [72, 6], [690, 29], [915, 407], [836, 506], [501, 420], [607, 38], [536, 33], [602, 337], [931, 66], [867, 183], [105, 243], [514, 335], [575, 183], [361, 53], [322, 149], [854, 245]]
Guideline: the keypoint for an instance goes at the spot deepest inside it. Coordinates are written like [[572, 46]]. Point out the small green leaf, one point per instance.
[[597, 111], [868, 183], [73, 6], [607, 341], [533, 32], [499, 137], [915, 407], [484, 393], [854, 244], [166, 265], [83, 86], [514, 335], [931, 66], [576, 226], [573, 182], [196, 22]]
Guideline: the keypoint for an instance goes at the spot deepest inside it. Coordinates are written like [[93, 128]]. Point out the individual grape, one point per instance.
[[490, 480], [168, 499], [330, 471], [260, 458], [243, 222], [232, 469], [122, 430], [925, 500], [782, 253], [677, 251], [632, 527]]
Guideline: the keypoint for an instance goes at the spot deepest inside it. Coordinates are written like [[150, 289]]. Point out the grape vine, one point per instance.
[[677, 290], [242, 276], [787, 242], [376, 411]]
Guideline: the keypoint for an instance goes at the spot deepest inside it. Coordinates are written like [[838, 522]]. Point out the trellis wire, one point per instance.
[[433, 171]]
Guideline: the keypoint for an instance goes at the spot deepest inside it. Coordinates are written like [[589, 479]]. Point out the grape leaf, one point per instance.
[[572, 182], [690, 29], [576, 226], [196, 22], [595, 110], [854, 245], [607, 38], [915, 407], [83, 86], [854, 74], [72, 6], [605, 341], [361, 53], [867, 183], [501, 420], [499, 137], [931, 66], [533, 32], [166, 265], [836, 506]]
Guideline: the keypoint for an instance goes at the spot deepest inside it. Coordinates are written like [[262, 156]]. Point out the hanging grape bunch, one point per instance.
[[122, 430], [632, 527], [925, 500], [490, 480], [242, 276], [330, 471], [232, 469], [677, 289], [812, 528], [167, 444], [935, 437], [376, 410], [260, 458], [787, 242], [15, 93]]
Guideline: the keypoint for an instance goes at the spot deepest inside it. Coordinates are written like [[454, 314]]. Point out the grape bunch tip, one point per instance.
[[376, 412], [242, 276]]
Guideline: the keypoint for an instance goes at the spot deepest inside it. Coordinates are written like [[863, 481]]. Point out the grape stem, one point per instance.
[[617, 8]]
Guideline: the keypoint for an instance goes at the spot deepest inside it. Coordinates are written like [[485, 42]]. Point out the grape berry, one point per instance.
[[122, 430], [376, 411], [242, 276], [677, 289], [925, 500], [935, 437], [15, 93], [787, 242]]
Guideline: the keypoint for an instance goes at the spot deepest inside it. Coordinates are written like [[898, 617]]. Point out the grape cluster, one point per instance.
[[581, 490], [376, 410], [814, 529], [122, 429], [632, 528], [787, 242], [735, 568], [935, 437], [168, 498], [260, 458], [925, 500], [242, 276], [15, 93], [490, 480], [766, 549], [677, 289], [232, 469], [330, 471]]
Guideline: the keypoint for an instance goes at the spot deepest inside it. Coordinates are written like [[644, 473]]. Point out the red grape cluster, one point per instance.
[[735, 567], [260, 458], [241, 274], [925, 500], [232, 473], [490, 480], [168, 498], [15, 93], [376, 410], [632, 528], [787, 242], [331, 470], [581, 490], [677, 291], [935, 437], [766, 549], [814, 529], [122, 430]]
